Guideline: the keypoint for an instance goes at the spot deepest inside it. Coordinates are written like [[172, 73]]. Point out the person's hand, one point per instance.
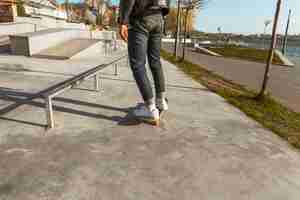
[[124, 32]]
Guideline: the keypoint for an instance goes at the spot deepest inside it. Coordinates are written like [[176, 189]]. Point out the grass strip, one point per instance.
[[268, 112], [251, 54]]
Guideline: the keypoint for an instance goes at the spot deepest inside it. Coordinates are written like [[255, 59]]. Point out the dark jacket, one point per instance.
[[138, 8]]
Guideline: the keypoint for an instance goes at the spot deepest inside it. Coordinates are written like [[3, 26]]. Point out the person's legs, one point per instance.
[[154, 45], [153, 52], [137, 49]]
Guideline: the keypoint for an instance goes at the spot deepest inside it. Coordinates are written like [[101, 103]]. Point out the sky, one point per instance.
[[245, 16]]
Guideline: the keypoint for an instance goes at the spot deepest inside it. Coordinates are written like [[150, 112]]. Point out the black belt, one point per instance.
[[152, 12], [147, 13]]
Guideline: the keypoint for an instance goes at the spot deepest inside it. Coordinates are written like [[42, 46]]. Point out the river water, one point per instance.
[[292, 52]]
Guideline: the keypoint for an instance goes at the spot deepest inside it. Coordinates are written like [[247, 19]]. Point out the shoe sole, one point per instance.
[[153, 122], [161, 113]]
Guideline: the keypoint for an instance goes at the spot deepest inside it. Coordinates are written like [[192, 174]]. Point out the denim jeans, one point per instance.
[[144, 40]]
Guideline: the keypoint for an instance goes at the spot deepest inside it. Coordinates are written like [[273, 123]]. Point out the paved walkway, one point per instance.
[[204, 148], [284, 82]]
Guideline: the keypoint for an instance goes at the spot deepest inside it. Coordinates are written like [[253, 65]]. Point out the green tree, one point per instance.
[[20, 9]]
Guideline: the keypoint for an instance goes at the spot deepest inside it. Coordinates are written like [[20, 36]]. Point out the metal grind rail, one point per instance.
[[59, 88]]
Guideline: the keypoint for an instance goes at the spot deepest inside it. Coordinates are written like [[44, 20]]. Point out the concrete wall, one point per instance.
[[15, 28]]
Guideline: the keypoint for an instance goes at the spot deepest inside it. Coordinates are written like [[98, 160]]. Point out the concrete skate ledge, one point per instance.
[[28, 44]]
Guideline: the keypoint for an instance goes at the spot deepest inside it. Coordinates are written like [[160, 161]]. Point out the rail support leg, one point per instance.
[[49, 112], [116, 69], [106, 48], [128, 62], [115, 45], [97, 82]]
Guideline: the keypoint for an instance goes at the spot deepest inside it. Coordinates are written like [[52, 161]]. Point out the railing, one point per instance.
[[59, 88]]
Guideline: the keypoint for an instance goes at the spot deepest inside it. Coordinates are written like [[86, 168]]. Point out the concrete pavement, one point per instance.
[[204, 148]]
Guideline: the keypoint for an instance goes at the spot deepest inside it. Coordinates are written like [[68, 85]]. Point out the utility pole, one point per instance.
[[286, 33], [99, 16], [271, 52], [177, 29], [67, 10], [185, 31]]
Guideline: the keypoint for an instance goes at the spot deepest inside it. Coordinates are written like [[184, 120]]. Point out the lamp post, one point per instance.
[[188, 7], [271, 52], [177, 29], [267, 22], [286, 34], [67, 10]]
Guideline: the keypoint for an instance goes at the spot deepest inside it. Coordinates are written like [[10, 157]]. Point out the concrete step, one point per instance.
[[67, 49]]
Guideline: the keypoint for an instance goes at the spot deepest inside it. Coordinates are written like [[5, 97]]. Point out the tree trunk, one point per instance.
[[271, 53]]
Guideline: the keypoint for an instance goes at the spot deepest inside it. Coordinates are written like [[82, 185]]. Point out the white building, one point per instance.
[[44, 8]]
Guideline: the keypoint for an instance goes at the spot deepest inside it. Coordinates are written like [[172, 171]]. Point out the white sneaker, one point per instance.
[[162, 104], [144, 113]]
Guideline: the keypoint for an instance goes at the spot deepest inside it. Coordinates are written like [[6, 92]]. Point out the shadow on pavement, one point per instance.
[[19, 102]]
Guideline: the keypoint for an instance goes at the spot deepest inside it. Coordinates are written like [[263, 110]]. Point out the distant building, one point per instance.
[[8, 10], [32, 8], [37, 8]]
